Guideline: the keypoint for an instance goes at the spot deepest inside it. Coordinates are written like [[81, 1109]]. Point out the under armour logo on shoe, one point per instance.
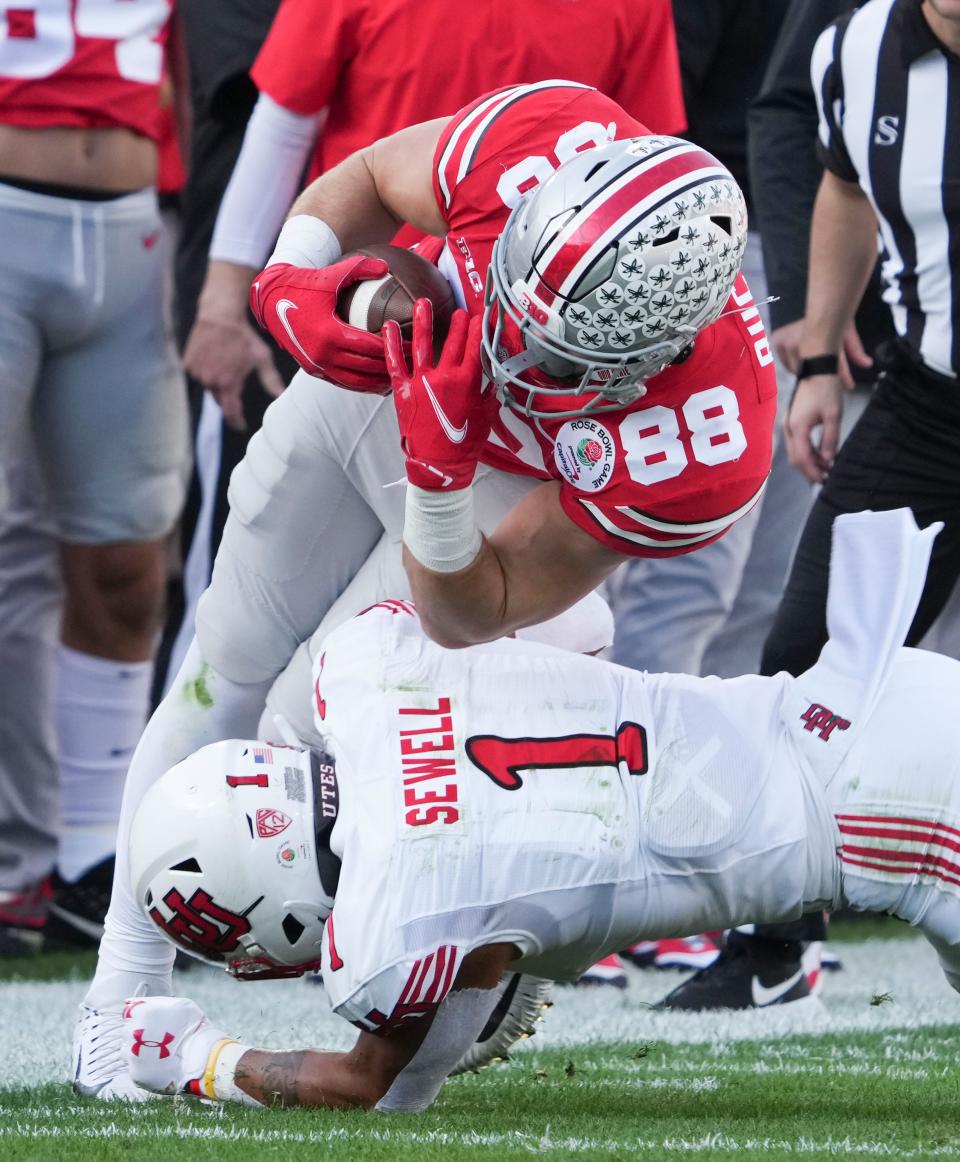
[[139, 1043], [824, 721]]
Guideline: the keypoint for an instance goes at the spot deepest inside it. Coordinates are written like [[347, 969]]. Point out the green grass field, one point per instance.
[[870, 1074]]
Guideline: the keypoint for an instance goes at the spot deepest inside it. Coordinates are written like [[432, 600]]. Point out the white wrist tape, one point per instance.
[[440, 528], [306, 241], [218, 1080]]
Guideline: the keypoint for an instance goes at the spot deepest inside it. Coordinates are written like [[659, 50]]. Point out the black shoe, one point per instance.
[[77, 910], [749, 973]]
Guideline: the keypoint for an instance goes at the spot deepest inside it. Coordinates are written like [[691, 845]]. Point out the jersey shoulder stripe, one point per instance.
[[652, 185], [642, 529], [461, 140]]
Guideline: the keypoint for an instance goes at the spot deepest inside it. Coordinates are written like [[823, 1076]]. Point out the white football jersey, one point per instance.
[[515, 792]]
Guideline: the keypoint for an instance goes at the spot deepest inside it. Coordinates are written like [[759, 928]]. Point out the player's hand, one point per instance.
[[854, 354], [817, 402], [299, 309], [220, 353], [786, 344], [168, 1041], [443, 410]]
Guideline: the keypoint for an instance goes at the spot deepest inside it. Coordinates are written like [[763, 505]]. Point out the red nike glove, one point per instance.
[[298, 307], [444, 412]]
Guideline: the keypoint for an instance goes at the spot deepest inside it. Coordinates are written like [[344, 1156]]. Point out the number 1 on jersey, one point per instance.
[[501, 759]]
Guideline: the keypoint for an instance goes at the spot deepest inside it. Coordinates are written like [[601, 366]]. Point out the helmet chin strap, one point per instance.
[[520, 362]]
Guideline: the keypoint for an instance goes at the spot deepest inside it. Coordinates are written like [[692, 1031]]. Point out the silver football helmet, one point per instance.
[[230, 856], [606, 272]]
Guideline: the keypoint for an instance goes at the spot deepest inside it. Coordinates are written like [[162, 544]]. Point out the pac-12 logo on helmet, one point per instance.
[[607, 271]]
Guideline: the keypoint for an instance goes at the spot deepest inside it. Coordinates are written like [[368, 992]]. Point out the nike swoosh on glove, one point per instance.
[[298, 307], [443, 408]]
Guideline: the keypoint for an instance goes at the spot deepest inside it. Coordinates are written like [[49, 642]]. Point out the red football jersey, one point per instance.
[[88, 63], [382, 66], [672, 471]]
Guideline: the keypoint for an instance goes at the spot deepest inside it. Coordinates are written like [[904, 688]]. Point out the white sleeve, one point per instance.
[[457, 1025], [264, 182]]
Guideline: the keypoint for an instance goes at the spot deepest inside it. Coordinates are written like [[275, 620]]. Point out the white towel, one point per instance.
[[878, 567]]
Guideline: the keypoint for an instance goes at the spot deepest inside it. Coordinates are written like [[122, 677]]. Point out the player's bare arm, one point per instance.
[[534, 566], [470, 589], [309, 1077], [375, 191], [843, 252], [364, 1075], [202, 1061]]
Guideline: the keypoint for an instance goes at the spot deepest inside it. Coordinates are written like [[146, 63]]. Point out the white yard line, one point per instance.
[[38, 1017], [709, 1144]]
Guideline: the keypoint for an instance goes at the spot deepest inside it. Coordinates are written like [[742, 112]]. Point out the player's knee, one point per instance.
[[114, 591]]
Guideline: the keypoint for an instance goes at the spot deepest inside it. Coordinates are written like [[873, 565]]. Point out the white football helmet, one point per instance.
[[230, 856], [606, 271]]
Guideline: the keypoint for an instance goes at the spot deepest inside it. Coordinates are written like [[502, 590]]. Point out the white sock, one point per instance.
[[100, 707], [223, 1073], [201, 706]]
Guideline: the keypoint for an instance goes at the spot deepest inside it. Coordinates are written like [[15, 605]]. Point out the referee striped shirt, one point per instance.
[[888, 94]]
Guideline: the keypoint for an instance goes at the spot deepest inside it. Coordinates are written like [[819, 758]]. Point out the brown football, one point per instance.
[[373, 302]]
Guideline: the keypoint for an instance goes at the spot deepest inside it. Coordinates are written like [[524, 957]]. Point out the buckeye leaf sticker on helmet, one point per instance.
[[606, 272]]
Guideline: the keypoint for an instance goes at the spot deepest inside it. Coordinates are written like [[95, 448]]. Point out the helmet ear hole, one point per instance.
[[671, 237], [188, 865], [206, 861], [724, 221], [292, 928]]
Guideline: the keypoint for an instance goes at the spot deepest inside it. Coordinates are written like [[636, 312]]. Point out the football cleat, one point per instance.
[[608, 971], [749, 973], [167, 1043], [77, 909], [829, 960], [687, 952], [523, 1004], [100, 1067], [23, 914], [817, 959], [642, 954], [812, 961]]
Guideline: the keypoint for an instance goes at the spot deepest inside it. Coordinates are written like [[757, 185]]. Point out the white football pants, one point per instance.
[[313, 537]]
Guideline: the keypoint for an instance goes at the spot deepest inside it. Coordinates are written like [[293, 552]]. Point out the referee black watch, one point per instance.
[[818, 365]]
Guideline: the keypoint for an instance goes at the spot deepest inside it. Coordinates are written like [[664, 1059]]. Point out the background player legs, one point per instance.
[[30, 595], [737, 645], [668, 611]]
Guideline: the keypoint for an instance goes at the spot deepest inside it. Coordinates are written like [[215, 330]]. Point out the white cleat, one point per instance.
[[523, 1003], [100, 1066]]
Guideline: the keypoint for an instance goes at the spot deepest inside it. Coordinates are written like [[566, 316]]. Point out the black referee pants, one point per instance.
[[904, 451]]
